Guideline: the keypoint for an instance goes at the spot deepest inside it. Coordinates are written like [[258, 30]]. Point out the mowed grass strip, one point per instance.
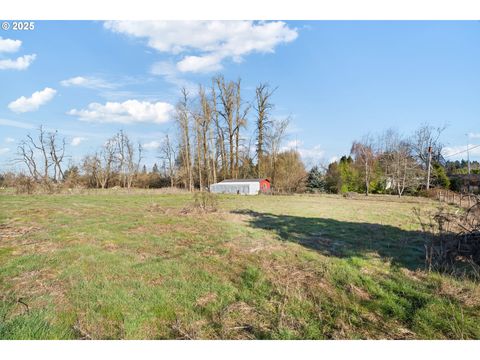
[[135, 266]]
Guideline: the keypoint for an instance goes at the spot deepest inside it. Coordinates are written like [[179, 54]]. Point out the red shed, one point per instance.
[[264, 185]]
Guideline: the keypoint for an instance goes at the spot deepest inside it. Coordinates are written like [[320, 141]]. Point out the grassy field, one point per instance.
[[137, 266]]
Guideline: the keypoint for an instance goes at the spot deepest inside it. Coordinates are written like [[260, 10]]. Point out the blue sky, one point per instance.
[[336, 80]]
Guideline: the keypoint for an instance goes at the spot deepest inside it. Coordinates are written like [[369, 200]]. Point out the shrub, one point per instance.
[[205, 201], [72, 177], [24, 185]]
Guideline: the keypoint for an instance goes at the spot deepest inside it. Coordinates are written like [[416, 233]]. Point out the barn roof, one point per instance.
[[243, 180]]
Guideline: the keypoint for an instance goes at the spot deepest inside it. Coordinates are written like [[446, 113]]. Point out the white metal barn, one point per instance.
[[237, 186]]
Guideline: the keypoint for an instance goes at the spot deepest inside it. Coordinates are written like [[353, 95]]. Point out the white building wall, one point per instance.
[[243, 188]]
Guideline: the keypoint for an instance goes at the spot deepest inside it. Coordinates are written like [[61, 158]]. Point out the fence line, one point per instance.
[[454, 198]]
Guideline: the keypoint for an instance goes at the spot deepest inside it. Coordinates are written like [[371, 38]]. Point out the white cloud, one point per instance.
[[169, 72], [204, 64], [9, 45], [313, 154], [20, 63], [292, 144], [310, 156], [88, 82], [38, 98], [460, 152], [213, 41], [474, 135], [127, 112], [4, 150], [152, 144], [333, 159], [9, 140], [77, 140], [163, 68]]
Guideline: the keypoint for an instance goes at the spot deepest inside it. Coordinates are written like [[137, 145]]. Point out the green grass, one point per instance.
[[112, 265]]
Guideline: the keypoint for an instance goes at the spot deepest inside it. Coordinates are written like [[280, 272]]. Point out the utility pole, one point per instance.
[[468, 159], [468, 165], [429, 165]]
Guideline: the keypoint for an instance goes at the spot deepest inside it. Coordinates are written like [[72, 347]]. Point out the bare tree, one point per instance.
[[290, 172], [183, 121], [42, 153], [205, 120], [219, 134], [26, 155], [41, 145], [262, 106], [167, 153], [426, 139], [133, 162], [402, 171], [273, 138], [364, 155], [128, 158], [105, 161], [57, 153], [227, 111], [91, 167], [240, 122], [197, 117]]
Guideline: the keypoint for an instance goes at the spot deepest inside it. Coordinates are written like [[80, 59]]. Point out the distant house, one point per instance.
[[241, 186]]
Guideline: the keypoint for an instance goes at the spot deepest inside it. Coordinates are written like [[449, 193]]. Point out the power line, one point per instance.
[[460, 152]]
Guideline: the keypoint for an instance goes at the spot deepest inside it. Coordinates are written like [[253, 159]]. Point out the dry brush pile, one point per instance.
[[452, 239]]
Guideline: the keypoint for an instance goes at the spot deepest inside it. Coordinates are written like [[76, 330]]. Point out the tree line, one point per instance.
[[219, 134], [388, 163]]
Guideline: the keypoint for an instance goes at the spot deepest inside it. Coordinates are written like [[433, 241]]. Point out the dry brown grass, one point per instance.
[[12, 231]]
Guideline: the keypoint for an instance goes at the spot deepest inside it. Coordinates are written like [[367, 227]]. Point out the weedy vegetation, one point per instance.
[[136, 265]]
